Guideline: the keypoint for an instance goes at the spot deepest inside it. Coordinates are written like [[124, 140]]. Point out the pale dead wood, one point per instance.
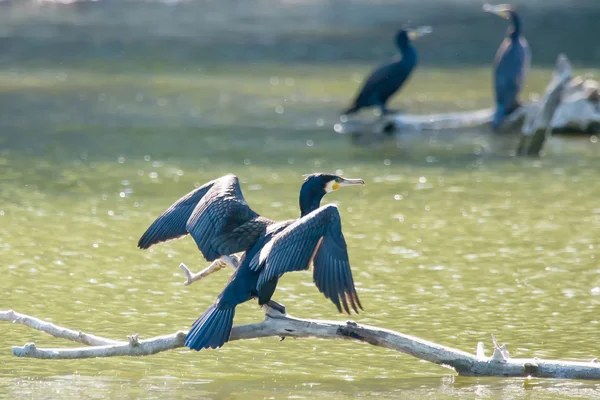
[[276, 324], [55, 330], [220, 263], [538, 117]]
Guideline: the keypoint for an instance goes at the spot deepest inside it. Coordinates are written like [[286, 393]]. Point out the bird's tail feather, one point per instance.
[[212, 329]]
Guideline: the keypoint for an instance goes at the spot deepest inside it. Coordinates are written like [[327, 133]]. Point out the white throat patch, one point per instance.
[[329, 187]]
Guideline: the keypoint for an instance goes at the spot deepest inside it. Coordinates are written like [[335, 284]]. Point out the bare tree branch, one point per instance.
[[220, 263], [537, 127], [54, 330], [281, 325]]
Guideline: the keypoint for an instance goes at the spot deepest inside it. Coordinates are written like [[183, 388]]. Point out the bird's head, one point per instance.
[[502, 10], [507, 12], [317, 185], [404, 36], [329, 182]]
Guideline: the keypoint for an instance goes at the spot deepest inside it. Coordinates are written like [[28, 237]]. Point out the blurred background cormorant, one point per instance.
[[389, 77], [510, 65]]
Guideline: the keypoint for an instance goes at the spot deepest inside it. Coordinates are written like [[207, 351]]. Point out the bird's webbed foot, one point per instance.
[[280, 308]]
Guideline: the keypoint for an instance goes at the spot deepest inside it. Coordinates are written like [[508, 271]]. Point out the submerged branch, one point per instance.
[[276, 324]]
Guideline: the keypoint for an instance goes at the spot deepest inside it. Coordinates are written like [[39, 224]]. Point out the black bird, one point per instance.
[[221, 223], [510, 65], [390, 76]]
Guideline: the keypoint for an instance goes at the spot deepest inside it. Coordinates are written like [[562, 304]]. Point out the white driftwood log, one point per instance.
[[54, 330], [580, 105], [280, 325]]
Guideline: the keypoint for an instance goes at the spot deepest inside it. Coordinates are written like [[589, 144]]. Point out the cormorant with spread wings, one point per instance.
[[221, 223]]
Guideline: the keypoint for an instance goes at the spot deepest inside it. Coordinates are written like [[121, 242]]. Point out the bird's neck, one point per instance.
[[407, 49], [310, 199], [514, 31]]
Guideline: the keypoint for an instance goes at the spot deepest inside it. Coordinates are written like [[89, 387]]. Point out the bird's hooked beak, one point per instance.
[[501, 10], [419, 32], [340, 182], [351, 182]]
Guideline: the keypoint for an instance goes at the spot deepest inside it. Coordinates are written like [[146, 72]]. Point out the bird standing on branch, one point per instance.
[[510, 65], [221, 223], [388, 78]]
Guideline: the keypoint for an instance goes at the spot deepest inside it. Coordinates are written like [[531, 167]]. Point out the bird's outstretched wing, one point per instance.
[[215, 214], [222, 223], [316, 237], [172, 223]]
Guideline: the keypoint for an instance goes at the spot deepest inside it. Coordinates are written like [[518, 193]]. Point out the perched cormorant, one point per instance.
[[510, 65], [221, 223], [389, 77]]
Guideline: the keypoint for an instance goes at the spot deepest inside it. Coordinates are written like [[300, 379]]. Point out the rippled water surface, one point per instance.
[[447, 242]]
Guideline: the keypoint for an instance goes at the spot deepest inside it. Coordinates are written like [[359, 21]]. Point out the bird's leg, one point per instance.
[[280, 308], [383, 110], [216, 265]]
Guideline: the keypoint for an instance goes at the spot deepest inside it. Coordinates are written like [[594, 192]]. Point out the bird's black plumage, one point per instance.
[[510, 65], [389, 77], [317, 238], [216, 215], [213, 327], [222, 223], [172, 223]]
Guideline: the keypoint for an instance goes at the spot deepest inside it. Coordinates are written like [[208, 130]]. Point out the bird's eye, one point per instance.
[[338, 180]]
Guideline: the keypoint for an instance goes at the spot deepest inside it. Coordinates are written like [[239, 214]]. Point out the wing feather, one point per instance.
[[222, 223], [316, 237], [217, 217], [172, 223]]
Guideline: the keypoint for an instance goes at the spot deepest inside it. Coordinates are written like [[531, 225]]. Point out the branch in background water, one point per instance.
[[538, 121], [276, 324]]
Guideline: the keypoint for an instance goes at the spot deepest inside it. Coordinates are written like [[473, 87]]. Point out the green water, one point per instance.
[[446, 243]]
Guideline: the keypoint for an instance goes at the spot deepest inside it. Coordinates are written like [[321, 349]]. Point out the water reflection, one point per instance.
[[281, 386]]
